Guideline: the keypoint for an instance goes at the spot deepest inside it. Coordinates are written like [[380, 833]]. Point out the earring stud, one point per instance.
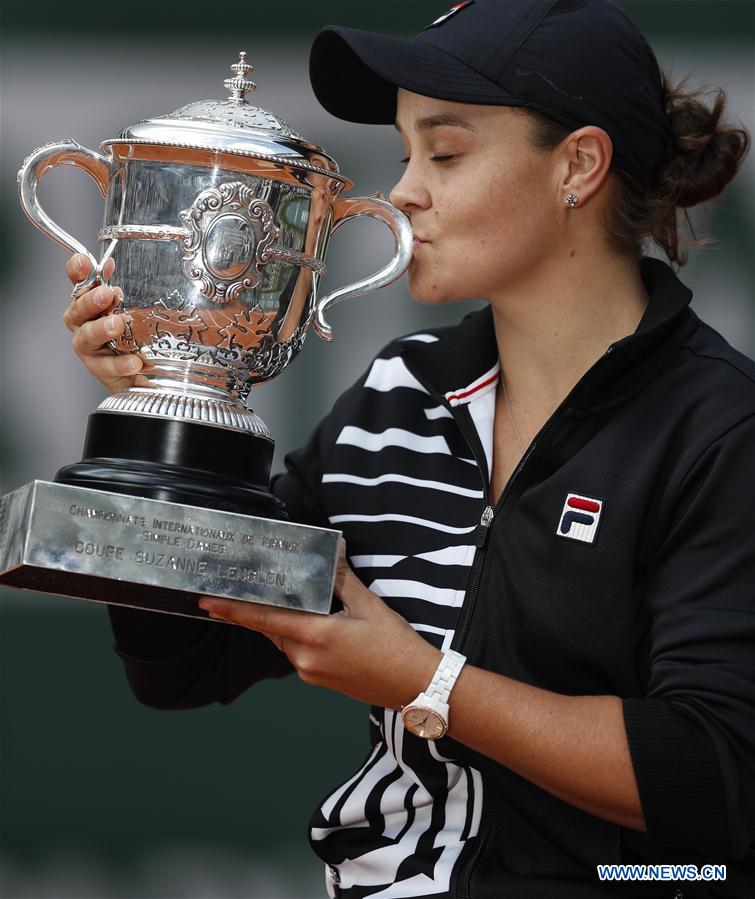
[[571, 200]]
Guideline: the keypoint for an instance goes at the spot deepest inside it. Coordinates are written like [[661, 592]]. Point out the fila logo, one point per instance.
[[580, 518], [447, 15]]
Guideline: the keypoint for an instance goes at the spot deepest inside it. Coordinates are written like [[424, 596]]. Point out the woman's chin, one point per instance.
[[428, 290], [431, 294]]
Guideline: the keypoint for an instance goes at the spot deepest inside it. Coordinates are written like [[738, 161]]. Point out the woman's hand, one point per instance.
[[366, 651], [92, 329]]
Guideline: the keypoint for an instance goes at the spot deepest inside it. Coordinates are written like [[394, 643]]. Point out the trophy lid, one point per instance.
[[231, 125]]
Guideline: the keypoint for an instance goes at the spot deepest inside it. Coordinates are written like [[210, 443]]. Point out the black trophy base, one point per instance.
[[176, 461]]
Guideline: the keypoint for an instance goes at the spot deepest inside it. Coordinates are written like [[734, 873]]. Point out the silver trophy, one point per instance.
[[218, 217]]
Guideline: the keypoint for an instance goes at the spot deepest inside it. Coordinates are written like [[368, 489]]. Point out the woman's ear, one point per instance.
[[587, 155]]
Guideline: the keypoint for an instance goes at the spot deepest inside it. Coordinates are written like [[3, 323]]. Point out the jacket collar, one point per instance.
[[464, 354]]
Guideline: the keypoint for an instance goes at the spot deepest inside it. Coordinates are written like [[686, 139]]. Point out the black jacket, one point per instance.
[[656, 607]]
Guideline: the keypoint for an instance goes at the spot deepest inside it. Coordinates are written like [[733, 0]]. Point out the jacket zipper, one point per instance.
[[489, 513], [481, 537], [483, 529], [466, 871]]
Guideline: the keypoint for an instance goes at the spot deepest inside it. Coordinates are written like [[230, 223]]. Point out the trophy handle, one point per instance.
[[399, 225], [34, 168]]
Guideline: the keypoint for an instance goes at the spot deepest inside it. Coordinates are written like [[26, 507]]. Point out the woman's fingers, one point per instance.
[[109, 368], [79, 266], [355, 597], [93, 329], [88, 342], [299, 626], [90, 305], [91, 336], [94, 302]]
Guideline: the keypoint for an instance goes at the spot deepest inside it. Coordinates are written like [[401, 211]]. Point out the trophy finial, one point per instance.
[[239, 86]]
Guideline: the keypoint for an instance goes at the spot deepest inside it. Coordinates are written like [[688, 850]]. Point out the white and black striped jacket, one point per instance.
[[617, 561]]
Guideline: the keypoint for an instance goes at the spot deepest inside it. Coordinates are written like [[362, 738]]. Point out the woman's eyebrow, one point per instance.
[[438, 121]]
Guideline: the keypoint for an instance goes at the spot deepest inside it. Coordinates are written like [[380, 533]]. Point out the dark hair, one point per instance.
[[704, 155]]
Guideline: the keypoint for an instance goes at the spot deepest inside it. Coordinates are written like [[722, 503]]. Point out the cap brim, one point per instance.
[[355, 75]]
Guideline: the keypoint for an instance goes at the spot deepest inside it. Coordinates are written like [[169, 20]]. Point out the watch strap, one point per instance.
[[445, 676]]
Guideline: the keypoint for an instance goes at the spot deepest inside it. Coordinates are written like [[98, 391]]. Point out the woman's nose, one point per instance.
[[409, 193]]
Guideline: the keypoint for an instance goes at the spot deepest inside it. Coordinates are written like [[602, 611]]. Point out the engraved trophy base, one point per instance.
[[158, 513]]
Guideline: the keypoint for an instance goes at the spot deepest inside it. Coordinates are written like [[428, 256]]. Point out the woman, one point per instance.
[[548, 506]]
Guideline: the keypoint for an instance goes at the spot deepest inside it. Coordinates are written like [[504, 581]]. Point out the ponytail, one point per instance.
[[703, 156]]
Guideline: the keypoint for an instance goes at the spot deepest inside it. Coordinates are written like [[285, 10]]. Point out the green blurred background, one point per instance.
[[101, 797]]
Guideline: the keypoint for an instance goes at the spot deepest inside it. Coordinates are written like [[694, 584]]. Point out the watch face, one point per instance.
[[424, 723]]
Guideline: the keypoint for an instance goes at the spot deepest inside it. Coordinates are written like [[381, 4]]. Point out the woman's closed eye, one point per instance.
[[439, 157]]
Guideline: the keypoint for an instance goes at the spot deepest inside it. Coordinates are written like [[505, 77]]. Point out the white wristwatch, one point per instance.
[[427, 715]]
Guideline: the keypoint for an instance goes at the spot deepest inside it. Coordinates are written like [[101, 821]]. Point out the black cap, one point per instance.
[[580, 62]]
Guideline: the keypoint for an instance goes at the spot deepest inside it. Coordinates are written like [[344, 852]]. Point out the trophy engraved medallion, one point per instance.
[[217, 217]]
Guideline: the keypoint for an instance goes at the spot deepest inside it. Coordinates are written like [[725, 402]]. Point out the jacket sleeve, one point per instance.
[[184, 663], [300, 485], [692, 737]]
